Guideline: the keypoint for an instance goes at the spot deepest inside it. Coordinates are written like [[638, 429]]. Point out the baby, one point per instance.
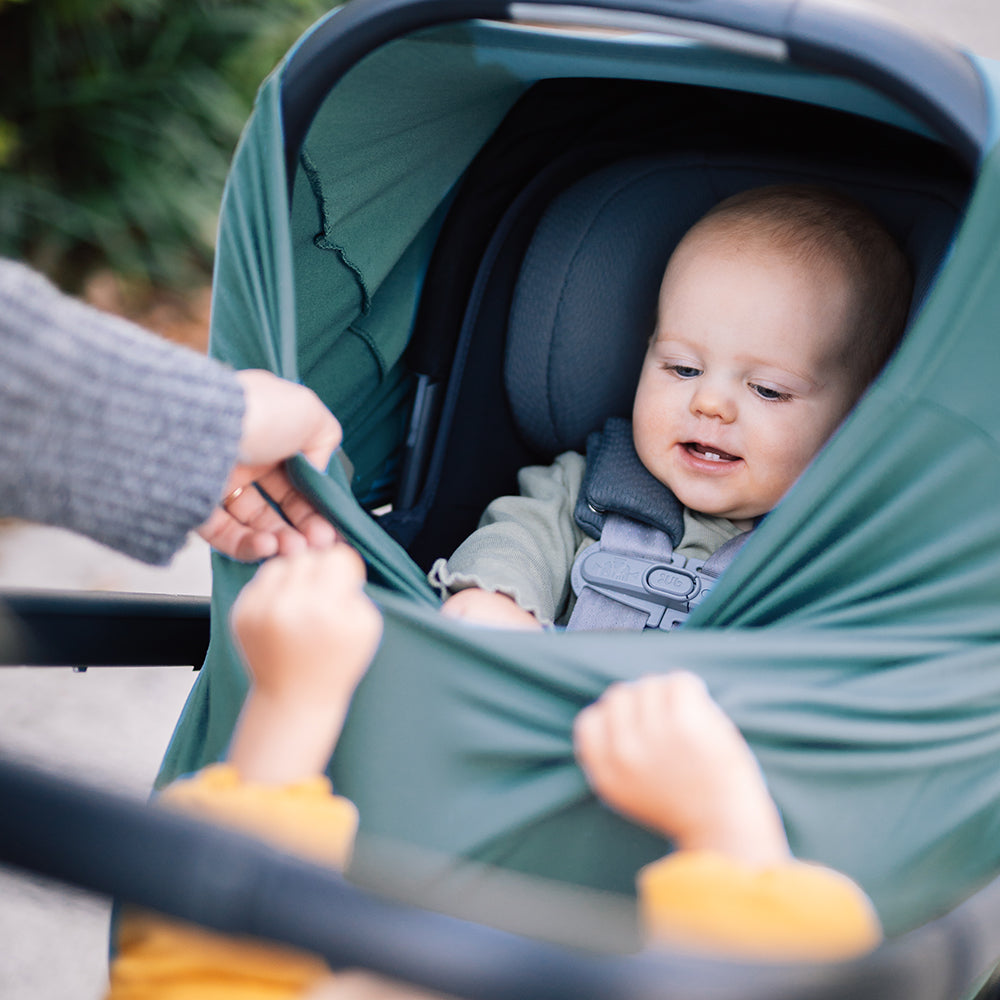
[[659, 750], [775, 312]]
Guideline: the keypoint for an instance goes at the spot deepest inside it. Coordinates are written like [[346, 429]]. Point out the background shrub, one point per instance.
[[118, 119]]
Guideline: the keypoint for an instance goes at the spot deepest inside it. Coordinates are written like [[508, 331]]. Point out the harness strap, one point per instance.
[[718, 562], [615, 480], [631, 579]]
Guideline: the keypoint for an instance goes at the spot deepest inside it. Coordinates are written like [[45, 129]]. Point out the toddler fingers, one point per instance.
[[618, 704], [690, 700], [677, 685], [588, 738], [686, 686], [339, 566], [270, 579], [602, 733], [675, 696], [582, 725]]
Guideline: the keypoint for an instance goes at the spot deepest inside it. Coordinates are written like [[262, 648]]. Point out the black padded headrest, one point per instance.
[[585, 302]]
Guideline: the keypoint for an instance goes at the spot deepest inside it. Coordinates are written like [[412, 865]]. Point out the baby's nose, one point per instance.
[[713, 400]]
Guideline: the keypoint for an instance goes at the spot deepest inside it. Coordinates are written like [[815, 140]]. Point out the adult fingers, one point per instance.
[[238, 541], [298, 512]]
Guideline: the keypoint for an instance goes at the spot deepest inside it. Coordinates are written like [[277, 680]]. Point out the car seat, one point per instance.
[[563, 301]]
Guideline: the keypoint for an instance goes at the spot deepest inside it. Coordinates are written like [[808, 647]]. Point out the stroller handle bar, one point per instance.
[[228, 882], [69, 628], [933, 80]]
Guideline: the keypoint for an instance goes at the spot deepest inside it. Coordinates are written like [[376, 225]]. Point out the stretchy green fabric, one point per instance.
[[855, 641]]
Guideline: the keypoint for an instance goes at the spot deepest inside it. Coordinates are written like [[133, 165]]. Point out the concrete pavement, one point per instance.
[[108, 726]]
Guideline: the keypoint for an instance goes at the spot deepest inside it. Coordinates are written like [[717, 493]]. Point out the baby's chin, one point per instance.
[[700, 500]]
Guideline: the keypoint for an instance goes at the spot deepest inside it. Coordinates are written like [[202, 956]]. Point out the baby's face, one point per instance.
[[744, 380]]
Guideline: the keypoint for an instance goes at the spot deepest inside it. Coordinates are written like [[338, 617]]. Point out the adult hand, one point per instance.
[[280, 420]]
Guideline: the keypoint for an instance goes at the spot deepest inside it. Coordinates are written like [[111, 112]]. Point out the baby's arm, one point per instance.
[[307, 632], [661, 751], [523, 548], [489, 608]]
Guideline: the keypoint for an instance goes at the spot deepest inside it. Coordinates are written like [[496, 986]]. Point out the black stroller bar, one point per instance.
[[222, 880], [197, 872], [83, 628]]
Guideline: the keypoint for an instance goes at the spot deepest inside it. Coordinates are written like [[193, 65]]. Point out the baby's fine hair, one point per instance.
[[816, 224]]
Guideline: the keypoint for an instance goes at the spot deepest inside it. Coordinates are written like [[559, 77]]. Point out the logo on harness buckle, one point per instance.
[[675, 584]]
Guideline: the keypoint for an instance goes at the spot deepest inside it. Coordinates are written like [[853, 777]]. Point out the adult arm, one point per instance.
[[117, 434]]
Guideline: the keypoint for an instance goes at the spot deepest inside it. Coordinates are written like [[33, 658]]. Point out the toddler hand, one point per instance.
[[305, 625], [488, 608], [308, 633], [661, 752]]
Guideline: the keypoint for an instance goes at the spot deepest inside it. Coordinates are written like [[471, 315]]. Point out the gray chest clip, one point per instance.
[[632, 579]]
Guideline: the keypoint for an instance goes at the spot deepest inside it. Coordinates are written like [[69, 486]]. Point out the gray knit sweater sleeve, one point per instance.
[[106, 429]]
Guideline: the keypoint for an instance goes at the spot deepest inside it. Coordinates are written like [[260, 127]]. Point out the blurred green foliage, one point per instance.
[[118, 119]]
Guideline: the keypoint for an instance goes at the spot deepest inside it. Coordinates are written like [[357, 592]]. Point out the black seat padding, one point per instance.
[[585, 300]]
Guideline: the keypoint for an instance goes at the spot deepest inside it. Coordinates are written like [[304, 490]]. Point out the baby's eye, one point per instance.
[[683, 371], [766, 392]]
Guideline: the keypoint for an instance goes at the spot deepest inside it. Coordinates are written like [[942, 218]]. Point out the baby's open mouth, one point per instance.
[[710, 453]]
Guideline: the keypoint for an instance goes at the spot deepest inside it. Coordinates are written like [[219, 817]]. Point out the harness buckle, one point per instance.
[[666, 589]]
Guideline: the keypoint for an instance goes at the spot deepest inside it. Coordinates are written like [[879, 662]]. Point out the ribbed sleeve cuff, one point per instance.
[[493, 573], [106, 429]]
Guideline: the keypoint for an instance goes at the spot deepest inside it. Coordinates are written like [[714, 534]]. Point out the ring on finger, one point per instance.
[[233, 496]]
